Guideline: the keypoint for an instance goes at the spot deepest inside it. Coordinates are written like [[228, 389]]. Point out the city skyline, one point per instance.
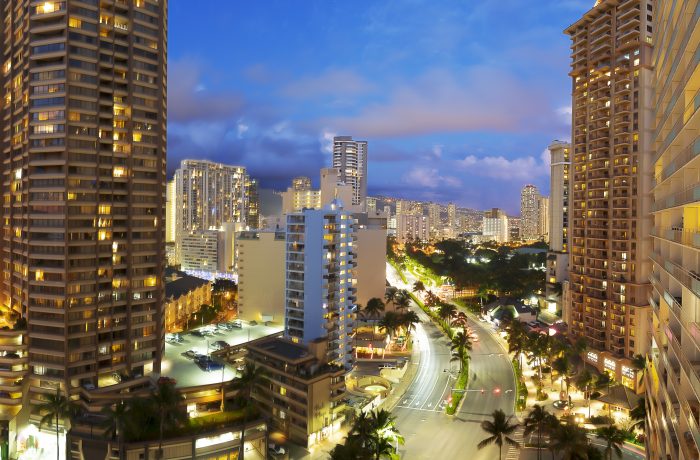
[[274, 103]]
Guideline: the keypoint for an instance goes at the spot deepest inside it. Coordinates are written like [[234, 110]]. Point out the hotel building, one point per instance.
[[350, 158], [529, 213], [558, 254], [321, 287], [673, 372], [611, 182], [83, 136], [495, 226]]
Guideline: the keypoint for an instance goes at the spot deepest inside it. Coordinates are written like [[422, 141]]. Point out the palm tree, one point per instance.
[[584, 380], [166, 401], [461, 346], [517, 340], [390, 295], [56, 407], [374, 308], [384, 425], [639, 413], [569, 440], [403, 299], [250, 377], [447, 311], [461, 320], [499, 430], [408, 321], [614, 438], [373, 435], [390, 322], [539, 419], [639, 363], [418, 286], [562, 366], [116, 418]]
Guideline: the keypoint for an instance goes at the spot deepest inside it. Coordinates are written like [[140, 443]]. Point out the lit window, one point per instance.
[[119, 171], [75, 23], [39, 275]]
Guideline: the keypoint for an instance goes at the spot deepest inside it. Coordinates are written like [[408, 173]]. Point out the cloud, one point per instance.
[[332, 82], [440, 101], [429, 178], [189, 99], [499, 167]]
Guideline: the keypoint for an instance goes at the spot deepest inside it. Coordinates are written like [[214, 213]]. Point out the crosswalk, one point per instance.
[[513, 453]]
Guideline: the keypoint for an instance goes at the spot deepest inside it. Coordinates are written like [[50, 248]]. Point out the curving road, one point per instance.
[[420, 415]]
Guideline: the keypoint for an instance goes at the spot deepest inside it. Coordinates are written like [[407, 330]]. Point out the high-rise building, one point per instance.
[[412, 227], [210, 194], [320, 279], [610, 206], [558, 254], [371, 205], [350, 158], [543, 217], [673, 373], [301, 183], [261, 273], [452, 215], [529, 213], [495, 226], [83, 140]]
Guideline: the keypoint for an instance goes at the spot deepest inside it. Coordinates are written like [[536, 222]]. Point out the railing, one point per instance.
[[678, 235], [689, 195]]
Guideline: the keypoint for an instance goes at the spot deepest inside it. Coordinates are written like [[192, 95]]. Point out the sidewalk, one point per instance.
[[398, 390]]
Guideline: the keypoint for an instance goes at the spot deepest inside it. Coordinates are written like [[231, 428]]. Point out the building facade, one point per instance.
[[673, 372], [321, 287], [543, 217], [611, 171], [302, 393], [558, 253], [495, 226], [350, 158], [529, 213], [184, 295], [261, 275], [412, 227], [84, 138]]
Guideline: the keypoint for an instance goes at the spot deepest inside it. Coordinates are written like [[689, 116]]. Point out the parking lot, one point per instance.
[[186, 372]]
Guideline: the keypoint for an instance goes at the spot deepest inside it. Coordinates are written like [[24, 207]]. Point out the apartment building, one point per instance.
[[300, 196], [302, 394], [673, 373], [83, 140], [543, 217], [321, 287], [495, 226], [529, 213], [611, 52], [558, 253], [184, 295], [350, 158]]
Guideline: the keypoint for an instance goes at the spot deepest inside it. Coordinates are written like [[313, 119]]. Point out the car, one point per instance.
[[209, 365], [220, 344], [190, 354], [559, 404], [197, 333], [276, 449], [166, 381], [236, 323]]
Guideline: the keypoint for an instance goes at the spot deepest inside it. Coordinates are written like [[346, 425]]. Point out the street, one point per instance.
[[420, 415]]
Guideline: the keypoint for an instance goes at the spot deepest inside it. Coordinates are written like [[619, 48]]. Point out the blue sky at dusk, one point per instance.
[[457, 98]]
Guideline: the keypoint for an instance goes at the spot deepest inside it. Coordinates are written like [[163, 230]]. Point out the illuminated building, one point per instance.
[[673, 372], [83, 250], [611, 174]]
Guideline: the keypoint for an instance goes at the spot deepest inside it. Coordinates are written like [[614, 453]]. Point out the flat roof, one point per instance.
[[186, 372], [283, 348]]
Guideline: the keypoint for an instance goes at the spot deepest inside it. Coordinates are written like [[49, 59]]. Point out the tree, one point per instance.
[[116, 418], [391, 293], [390, 322], [614, 439], [569, 440], [500, 429], [538, 420], [418, 286], [166, 401], [447, 311], [250, 377], [461, 346], [55, 408], [584, 381], [639, 413], [372, 436], [374, 308], [403, 299], [562, 366], [639, 363], [517, 340], [408, 321]]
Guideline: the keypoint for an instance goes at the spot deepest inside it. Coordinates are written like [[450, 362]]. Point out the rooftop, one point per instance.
[[282, 348], [178, 283]]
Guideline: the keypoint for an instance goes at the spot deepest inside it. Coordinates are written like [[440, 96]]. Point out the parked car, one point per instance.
[[236, 323], [197, 333], [207, 364], [220, 344], [190, 354]]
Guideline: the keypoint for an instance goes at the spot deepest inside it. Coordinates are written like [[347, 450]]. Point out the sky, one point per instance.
[[458, 99]]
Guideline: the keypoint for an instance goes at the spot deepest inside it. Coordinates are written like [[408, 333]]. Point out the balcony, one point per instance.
[[688, 278], [689, 195], [690, 238]]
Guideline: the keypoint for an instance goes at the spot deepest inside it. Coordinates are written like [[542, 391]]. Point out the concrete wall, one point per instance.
[[261, 268], [371, 264]]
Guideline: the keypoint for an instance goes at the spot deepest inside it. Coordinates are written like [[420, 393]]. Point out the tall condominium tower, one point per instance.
[[610, 218], [673, 374], [529, 212], [543, 217], [320, 279], [350, 158], [83, 174], [558, 254], [495, 226]]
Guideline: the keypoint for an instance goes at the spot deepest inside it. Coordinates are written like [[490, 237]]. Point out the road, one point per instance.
[[420, 415]]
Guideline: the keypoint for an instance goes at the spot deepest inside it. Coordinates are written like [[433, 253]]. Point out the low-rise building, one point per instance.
[[302, 394], [184, 295]]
